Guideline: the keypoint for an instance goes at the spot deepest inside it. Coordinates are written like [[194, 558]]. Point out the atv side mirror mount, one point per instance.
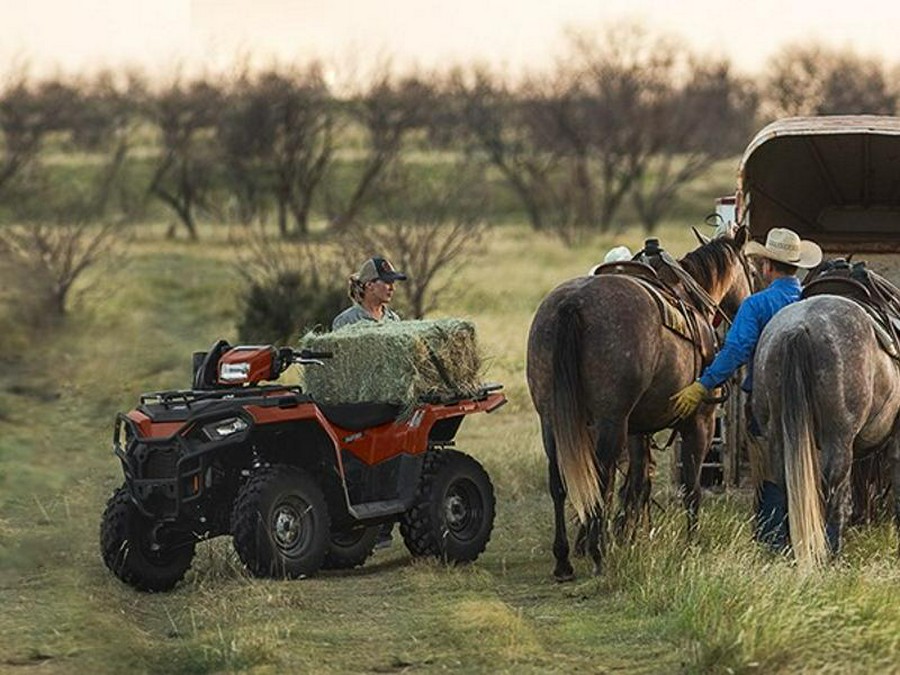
[[206, 365]]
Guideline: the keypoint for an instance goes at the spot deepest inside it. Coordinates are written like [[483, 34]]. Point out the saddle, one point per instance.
[[878, 297], [676, 310]]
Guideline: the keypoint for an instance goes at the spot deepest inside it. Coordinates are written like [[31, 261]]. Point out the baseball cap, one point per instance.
[[379, 268]]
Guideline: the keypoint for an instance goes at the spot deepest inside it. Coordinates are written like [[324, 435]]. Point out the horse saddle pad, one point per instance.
[[683, 320], [679, 317]]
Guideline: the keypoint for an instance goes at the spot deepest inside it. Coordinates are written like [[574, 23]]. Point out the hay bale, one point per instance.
[[399, 362]]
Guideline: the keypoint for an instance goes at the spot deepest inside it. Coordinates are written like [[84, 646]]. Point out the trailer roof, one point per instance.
[[833, 179]]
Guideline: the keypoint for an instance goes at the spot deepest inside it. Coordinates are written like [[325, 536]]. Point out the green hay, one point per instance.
[[392, 362]]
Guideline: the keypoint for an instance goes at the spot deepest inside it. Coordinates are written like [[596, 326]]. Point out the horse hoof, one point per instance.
[[564, 574]]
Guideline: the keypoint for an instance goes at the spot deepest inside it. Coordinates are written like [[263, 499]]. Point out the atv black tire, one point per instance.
[[280, 523], [453, 512], [128, 549], [351, 548]]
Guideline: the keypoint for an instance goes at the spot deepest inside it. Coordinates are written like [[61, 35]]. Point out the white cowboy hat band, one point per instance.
[[786, 246]]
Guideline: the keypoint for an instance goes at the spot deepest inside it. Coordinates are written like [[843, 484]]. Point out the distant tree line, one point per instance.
[[622, 121], [626, 117]]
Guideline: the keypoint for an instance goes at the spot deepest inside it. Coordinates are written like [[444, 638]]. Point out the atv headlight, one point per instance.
[[224, 428], [234, 372]]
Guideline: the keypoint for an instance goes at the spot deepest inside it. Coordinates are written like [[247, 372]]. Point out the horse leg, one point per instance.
[[578, 550], [563, 570], [893, 454], [836, 461], [837, 457], [609, 448], [696, 433], [635, 493]]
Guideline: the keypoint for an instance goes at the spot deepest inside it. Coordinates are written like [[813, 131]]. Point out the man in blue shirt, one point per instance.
[[778, 261]]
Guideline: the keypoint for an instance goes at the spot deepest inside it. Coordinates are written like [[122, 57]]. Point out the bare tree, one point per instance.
[[811, 79], [28, 113], [185, 115], [627, 74], [388, 109], [707, 117], [106, 110], [278, 135], [48, 255], [430, 229], [501, 124]]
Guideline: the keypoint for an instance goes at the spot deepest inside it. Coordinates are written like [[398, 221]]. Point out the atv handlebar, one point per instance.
[[308, 357], [304, 357], [310, 354]]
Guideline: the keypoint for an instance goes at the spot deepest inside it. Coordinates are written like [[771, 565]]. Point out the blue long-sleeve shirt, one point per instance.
[[740, 342]]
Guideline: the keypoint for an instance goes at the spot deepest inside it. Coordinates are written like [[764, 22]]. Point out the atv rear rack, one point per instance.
[[188, 396]]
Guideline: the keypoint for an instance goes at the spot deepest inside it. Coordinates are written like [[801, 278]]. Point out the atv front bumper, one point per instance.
[[162, 475]]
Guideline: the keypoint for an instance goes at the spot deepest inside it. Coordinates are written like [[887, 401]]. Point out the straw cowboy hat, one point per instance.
[[786, 246]]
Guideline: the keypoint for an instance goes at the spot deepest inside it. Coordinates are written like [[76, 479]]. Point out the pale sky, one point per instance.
[[515, 34]]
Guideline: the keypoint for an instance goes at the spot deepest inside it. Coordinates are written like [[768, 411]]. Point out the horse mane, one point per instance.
[[709, 264]]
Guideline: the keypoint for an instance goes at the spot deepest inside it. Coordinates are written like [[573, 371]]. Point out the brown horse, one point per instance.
[[602, 366], [825, 393]]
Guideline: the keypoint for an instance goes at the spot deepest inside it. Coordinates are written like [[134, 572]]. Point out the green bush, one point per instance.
[[280, 309]]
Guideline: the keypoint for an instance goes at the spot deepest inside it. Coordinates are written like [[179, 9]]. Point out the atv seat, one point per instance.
[[359, 416]]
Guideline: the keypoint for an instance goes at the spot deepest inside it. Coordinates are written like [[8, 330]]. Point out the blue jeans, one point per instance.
[[770, 525]]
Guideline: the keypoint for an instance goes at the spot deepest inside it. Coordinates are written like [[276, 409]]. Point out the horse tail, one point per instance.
[[801, 454], [569, 418]]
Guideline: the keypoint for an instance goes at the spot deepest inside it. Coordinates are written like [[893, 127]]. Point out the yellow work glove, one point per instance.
[[685, 402]]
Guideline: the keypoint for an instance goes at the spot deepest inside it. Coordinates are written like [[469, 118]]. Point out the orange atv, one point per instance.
[[298, 484]]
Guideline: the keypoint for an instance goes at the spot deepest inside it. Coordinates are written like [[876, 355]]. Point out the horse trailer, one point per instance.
[[832, 179]]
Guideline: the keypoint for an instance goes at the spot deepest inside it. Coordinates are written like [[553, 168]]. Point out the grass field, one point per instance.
[[718, 605]]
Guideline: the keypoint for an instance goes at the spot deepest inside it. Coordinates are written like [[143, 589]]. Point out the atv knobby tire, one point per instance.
[[351, 548], [453, 512], [129, 551], [280, 523]]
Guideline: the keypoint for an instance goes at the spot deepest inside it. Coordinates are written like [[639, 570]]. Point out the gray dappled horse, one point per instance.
[[825, 393], [601, 369]]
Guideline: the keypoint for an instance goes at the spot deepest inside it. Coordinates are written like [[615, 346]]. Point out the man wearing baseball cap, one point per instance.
[[371, 290]]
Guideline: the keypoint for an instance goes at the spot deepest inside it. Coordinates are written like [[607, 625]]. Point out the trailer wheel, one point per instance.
[[351, 548], [453, 513], [133, 552], [280, 523]]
